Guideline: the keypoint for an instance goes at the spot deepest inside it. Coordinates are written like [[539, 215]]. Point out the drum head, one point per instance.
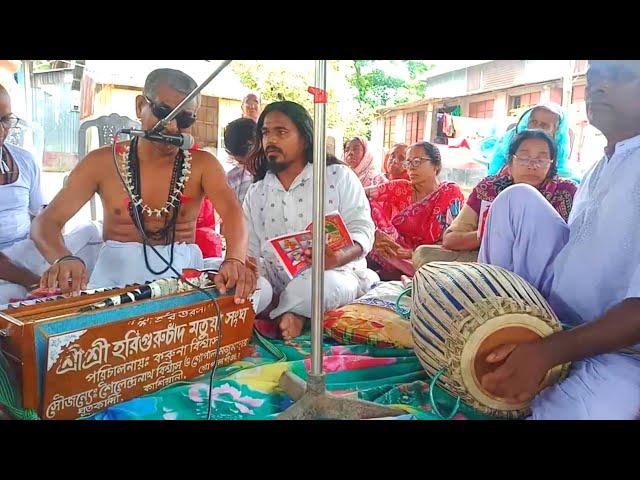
[[504, 329]]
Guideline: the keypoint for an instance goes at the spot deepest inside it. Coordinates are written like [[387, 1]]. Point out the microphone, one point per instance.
[[183, 141], [158, 288]]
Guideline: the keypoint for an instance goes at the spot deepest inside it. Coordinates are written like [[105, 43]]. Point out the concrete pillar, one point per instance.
[[429, 124]]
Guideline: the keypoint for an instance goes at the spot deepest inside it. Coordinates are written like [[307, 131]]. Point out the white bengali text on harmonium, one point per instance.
[[107, 389], [109, 393], [222, 361], [78, 400], [101, 405], [76, 359], [201, 328], [133, 342], [196, 359], [163, 382], [107, 371], [235, 316], [203, 344]]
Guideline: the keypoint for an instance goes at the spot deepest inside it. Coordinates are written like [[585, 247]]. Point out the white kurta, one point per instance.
[[19, 199], [84, 241], [271, 211]]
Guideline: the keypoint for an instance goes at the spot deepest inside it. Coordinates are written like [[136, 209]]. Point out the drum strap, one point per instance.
[[434, 405], [270, 347], [402, 311]]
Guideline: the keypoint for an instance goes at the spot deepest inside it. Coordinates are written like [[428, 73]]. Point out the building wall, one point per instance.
[[228, 110], [54, 106]]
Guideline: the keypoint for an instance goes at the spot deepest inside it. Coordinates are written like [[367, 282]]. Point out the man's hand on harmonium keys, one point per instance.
[[68, 273], [236, 273]]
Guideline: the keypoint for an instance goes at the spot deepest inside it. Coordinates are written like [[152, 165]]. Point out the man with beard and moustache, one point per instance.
[[280, 202], [167, 185]]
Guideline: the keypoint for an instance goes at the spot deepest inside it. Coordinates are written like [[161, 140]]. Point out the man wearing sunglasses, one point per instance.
[[167, 185]]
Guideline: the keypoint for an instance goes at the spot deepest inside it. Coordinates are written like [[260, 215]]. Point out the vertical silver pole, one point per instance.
[[317, 265], [28, 99]]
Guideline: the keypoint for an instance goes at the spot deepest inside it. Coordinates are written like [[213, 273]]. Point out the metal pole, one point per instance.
[[567, 85], [28, 99], [165, 121], [317, 264]]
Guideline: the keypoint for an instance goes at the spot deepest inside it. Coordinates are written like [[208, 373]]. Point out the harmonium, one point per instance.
[[75, 356]]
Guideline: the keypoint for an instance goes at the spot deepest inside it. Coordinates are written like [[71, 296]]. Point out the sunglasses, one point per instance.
[[183, 119]]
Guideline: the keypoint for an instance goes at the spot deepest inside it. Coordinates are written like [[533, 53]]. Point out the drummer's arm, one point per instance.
[[15, 274], [618, 328], [519, 377]]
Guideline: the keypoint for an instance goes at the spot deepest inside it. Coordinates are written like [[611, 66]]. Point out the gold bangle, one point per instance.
[[228, 259]]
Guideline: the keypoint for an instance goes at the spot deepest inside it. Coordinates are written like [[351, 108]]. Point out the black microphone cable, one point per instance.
[[138, 224]]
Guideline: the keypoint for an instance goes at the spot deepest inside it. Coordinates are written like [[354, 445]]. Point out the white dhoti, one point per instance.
[[341, 287], [84, 242], [123, 263]]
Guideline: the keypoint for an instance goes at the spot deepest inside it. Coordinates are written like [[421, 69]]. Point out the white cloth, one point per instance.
[[85, 242], [271, 211], [19, 199], [600, 264], [123, 263]]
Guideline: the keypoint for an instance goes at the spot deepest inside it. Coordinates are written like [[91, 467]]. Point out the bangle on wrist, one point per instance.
[[69, 257], [233, 259]]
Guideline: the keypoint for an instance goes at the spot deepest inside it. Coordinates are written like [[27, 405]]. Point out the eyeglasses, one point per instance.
[[534, 162], [414, 162], [183, 119], [9, 121]]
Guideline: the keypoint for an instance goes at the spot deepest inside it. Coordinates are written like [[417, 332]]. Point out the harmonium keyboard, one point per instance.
[[73, 357]]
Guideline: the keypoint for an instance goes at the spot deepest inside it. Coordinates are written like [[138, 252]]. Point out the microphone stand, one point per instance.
[[312, 399], [165, 121]]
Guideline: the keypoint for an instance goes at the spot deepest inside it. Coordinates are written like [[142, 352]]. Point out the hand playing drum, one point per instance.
[[519, 378], [480, 330]]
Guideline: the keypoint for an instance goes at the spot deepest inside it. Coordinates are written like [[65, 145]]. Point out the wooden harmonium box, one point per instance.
[[70, 363]]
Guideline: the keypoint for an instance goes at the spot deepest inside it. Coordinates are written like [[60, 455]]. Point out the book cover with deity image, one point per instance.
[[290, 248]]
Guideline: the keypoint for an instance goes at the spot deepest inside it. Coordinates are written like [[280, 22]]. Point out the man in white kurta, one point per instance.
[[589, 269], [271, 210]]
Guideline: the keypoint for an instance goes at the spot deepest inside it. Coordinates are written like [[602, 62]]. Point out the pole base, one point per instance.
[[313, 402]]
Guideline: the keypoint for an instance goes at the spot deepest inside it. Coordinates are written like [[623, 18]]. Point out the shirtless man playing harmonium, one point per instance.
[[167, 185]]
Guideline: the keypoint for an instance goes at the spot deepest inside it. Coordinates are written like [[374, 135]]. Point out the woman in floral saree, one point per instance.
[[411, 213]]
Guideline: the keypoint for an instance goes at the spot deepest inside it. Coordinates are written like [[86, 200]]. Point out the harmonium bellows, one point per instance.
[[70, 363]]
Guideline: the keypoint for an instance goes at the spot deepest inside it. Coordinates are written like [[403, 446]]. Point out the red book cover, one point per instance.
[[290, 248], [484, 215]]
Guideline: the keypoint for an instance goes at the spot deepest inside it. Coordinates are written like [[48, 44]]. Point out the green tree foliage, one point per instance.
[[371, 88]]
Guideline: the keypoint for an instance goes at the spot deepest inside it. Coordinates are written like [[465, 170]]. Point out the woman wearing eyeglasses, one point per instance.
[[548, 117], [532, 159], [414, 212]]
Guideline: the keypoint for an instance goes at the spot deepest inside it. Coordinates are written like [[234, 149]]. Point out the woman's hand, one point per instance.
[[384, 245]]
